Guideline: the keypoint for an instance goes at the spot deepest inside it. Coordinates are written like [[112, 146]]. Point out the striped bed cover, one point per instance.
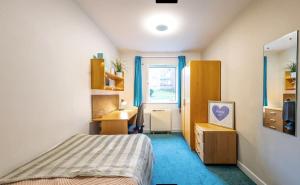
[[79, 181], [85, 157]]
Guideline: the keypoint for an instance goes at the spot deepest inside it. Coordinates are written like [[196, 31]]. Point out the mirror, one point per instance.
[[280, 80]]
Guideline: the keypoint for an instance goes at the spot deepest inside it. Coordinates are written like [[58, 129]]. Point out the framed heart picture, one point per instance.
[[221, 113]]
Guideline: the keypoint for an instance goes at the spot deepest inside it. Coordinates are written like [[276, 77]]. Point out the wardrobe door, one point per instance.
[[205, 85], [182, 102], [187, 119]]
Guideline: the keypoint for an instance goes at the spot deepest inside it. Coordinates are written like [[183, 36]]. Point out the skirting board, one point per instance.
[[250, 174]]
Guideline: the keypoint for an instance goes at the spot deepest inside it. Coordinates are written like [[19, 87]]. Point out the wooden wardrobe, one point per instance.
[[201, 82]]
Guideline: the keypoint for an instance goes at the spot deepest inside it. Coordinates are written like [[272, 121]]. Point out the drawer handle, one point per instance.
[[273, 120], [201, 139], [272, 127], [198, 134], [272, 112]]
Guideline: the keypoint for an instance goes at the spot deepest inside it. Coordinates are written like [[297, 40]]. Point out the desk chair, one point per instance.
[[138, 127]]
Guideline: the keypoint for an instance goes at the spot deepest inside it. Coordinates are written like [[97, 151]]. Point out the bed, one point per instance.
[[90, 160]]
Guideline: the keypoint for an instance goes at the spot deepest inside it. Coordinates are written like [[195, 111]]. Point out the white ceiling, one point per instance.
[[287, 41], [199, 21]]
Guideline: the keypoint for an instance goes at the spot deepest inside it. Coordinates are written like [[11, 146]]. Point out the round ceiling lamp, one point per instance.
[[161, 24], [162, 27]]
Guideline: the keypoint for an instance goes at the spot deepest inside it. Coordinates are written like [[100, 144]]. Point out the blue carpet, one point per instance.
[[175, 163]]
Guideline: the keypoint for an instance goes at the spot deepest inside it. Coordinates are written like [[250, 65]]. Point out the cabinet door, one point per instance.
[[187, 124], [205, 77], [182, 102]]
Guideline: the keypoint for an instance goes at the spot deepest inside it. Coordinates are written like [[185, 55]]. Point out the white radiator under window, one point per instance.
[[160, 120]]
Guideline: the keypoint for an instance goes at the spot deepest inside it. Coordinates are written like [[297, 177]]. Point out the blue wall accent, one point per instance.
[[138, 93], [265, 81], [181, 65]]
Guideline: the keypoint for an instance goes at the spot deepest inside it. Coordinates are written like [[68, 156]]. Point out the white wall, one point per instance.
[[128, 57], [272, 156], [45, 47]]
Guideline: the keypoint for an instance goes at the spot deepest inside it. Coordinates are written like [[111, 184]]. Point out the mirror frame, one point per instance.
[[297, 74]]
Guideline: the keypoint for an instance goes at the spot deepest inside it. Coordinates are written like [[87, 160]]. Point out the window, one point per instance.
[[161, 84]]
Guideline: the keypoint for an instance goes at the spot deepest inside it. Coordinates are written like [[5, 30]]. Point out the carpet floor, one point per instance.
[[175, 163]]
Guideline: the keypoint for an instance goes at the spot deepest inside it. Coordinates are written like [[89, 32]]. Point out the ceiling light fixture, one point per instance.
[[161, 24], [162, 27]]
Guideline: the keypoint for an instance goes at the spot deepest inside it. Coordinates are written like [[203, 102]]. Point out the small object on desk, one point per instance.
[[123, 104]]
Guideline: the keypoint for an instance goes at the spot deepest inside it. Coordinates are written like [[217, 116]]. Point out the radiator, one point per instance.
[[160, 120]]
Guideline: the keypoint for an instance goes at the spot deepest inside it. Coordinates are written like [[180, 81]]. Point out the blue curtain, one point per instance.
[[138, 94], [181, 65], [265, 82]]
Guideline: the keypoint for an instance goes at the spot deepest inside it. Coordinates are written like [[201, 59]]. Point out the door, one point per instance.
[[187, 124], [182, 102]]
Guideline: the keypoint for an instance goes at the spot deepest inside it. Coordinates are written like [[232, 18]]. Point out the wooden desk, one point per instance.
[[116, 122]]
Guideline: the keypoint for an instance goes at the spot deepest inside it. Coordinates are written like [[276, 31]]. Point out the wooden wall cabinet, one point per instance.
[[201, 81], [290, 83], [99, 77]]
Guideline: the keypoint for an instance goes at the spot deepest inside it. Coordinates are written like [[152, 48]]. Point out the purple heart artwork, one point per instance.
[[220, 112]]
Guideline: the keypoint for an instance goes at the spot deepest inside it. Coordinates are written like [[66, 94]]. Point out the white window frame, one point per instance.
[[146, 67]]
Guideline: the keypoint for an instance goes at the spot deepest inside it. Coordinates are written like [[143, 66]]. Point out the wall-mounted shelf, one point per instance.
[[289, 81], [290, 78], [100, 78], [113, 76], [113, 88]]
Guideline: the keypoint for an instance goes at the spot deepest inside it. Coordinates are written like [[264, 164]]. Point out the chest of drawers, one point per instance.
[[215, 144], [273, 119]]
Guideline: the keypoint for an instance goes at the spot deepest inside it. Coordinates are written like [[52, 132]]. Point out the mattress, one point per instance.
[[90, 159], [80, 181]]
